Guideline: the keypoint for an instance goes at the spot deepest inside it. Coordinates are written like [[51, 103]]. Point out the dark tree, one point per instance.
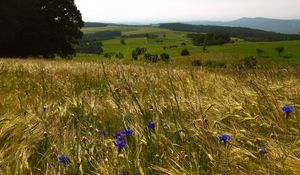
[[109, 55], [39, 28], [197, 63], [151, 57], [279, 50], [123, 42], [165, 57], [249, 62], [137, 52], [204, 49], [134, 55], [185, 52], [260, 51], [120, 55]]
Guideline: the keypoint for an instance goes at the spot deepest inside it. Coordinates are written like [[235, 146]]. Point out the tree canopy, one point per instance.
[[209, 38], [39, 28]]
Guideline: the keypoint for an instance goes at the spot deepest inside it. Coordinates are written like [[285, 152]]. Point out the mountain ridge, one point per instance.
[[286, 26]]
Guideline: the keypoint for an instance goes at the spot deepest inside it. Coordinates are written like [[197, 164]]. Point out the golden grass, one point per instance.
[[50, 108]]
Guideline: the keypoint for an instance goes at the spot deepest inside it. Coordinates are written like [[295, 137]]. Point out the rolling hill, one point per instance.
[[274, 25], [247, 34]]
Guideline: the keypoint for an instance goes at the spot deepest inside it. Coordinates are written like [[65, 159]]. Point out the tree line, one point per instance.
[[102, 35], [200, 39], [239, 32]]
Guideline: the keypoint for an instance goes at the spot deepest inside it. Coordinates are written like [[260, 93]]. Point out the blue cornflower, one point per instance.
[[64, 159], [151, 125], [123, 173], [287, 109], [120, 144], [104, 132], [122, 134], [129, 131], [224, 138]]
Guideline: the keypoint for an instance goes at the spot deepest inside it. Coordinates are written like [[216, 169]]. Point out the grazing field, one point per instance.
[[291, 54], [67, 117]]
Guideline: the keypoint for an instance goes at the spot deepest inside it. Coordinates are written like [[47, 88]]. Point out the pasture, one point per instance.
[[291, 54], [65, 117]]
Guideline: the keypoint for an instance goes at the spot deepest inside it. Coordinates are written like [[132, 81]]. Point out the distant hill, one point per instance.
[[267, 24], [239, 32], [95, 24]]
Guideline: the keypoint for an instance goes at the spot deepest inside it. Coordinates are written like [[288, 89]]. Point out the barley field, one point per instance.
[[111, 118]]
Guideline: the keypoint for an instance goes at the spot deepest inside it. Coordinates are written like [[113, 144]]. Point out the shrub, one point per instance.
[[185, 52], [259, 51], [165, 57], [134, 55], [151, 57], [137, 52], [204, 49], [109, 54], [120, 55], [197, 63], [249, 62], [214, 64], [209, 63], [279, 50], [123, 42]]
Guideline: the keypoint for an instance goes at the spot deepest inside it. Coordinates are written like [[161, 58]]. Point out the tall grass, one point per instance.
[[49, 109]]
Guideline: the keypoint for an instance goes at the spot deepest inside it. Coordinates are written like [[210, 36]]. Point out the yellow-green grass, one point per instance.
[[54, 108]]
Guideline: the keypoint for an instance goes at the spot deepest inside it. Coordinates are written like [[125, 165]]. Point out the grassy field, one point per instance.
[[127, 30], [54, 108], [240, 49]]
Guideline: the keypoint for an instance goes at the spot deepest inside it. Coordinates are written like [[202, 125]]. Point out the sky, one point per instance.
[[151, 11]]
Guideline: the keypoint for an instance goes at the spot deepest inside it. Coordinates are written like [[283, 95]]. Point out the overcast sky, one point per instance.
[[185, 10]]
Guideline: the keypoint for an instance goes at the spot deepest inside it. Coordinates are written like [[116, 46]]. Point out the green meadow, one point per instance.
[[239, 48]]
